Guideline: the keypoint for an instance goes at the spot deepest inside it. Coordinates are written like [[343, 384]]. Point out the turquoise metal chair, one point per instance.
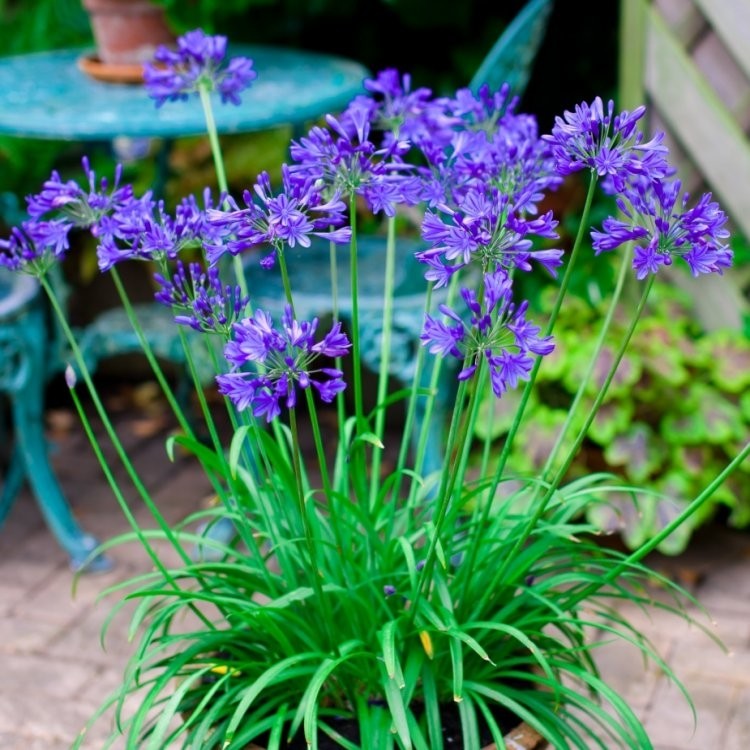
[[511, 58]]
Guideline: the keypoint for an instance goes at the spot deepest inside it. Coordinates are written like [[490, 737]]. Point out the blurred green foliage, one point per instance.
[[29, 26]]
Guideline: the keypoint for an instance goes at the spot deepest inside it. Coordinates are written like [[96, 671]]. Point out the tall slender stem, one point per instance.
[[508, 444], [437, 365], [340, 397], [448, 480], [354, 286], [554, 484], [149, 354], [307, 530], [385, 355], [124, 506], [621, 276], [221, 175], [529, 386], [102, 412], [213, 138]]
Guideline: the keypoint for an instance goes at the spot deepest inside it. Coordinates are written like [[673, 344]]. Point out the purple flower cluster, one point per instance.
[[609, 144], [661, 224], [484, 229], [35, 246], [142, 230], [276, 220], [344, 160], [56, 210], [280, 361], [197, 63], [496, 330], [201, 300]]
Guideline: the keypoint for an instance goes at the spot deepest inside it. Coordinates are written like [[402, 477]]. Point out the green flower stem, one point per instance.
[[358, 470], [481, 383], [554, 484], [620, 284], [205, 410], [476, 389], [213, 137], [286, 281], [101, 411], [114, 486], [212, 431], [315, 573], [385, 355], [123, 503], [488, 441], [649, 546], [334, 512], [312, 410], [437, 364], [508, 444], [149, 353], [354, 283], [340, 397], [457, 436], [411, 409], [526, 394], [600, 396], [247, 537], [221, 175]]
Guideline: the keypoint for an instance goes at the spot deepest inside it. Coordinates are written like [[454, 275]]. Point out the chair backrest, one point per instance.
[[512, 56]]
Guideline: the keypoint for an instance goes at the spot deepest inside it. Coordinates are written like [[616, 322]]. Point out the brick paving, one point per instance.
[[54, 672]]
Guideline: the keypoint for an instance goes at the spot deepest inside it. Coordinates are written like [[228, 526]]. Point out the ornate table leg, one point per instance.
[[22, 348]]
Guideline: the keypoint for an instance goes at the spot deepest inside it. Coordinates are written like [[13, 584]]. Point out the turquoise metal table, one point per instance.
[[45, 95]]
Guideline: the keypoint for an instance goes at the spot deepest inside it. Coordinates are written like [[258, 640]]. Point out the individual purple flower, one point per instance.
[[197, 64], [279, 362], [496, 329], [201, 300], [277, 220], [608, 144], [662, 227]]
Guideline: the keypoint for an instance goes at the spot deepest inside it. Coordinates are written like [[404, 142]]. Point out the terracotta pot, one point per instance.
[[127, 32]]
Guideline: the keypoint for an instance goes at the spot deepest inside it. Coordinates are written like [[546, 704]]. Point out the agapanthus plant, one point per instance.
[[360, 593]]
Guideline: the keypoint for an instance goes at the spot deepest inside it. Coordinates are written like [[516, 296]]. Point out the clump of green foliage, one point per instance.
[[678, 407]]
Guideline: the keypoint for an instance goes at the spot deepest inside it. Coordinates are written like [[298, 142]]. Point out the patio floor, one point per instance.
[[54, 671]]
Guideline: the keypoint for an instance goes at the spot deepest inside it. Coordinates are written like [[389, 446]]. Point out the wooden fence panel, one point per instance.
[[689, 60]]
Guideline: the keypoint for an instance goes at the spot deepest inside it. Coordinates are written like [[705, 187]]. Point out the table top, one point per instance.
[[45, 95]]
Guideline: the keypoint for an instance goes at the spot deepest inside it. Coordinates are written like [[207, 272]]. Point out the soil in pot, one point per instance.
[[521, 737]]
